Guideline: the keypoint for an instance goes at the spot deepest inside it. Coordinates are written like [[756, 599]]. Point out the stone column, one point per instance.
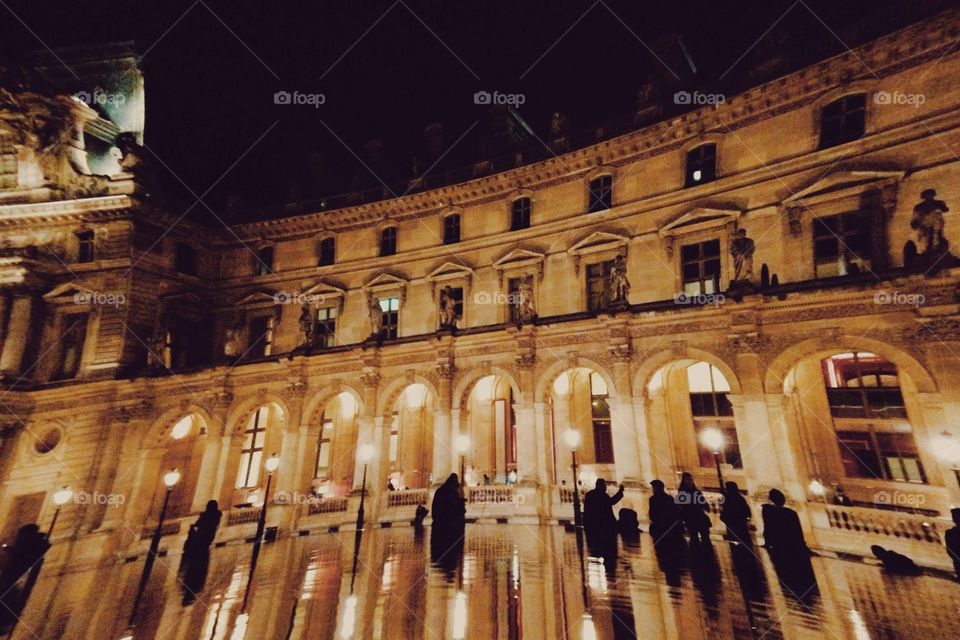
[[446, 425], [292, 457], [626, 445], [17, 336], [938, 440]]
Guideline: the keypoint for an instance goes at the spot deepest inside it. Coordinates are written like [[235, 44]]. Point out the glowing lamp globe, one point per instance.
[[272, 463], [171, 478], [462, 443], [712, 438], [816, 488], [572, 438], [366, 452], [62, 496]]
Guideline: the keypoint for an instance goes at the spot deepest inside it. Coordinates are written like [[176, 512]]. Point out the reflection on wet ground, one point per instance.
[[510, 582]]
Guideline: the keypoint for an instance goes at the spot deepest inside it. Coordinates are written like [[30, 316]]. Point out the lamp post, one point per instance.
[[60, 498], [365, 452], [271, 465], [462, 444], [712, 438], [170, 479], [816, 488], [572, 438]]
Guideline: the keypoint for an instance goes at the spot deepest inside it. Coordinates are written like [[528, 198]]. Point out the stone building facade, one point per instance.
[[611, 291]]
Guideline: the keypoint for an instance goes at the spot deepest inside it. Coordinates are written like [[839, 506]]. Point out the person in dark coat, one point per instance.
[[735, 514], [20, 570], [782, 533], [628, 523], [952, 539], [664, 514], [449, 507], [895, 562], [599, 523], [202, 532], [693, 510]]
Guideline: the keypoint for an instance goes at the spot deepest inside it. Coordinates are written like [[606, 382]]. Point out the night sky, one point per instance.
[[388, 69]]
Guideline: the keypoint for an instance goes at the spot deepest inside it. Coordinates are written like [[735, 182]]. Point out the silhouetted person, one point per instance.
[[842, 499], [195, 575], [782, 533], [952, 539], [420, 516], [693, 510], [202, 532], [390, 486], [449, 509], [20, 571], [664, 515], [735, 514], [895, 562], [628, 523], [599, 523]]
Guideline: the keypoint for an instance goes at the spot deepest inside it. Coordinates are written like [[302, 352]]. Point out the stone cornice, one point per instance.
[[63, 212]]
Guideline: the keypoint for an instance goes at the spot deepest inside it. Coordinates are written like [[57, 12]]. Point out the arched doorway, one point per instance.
[[183, 448], [489, 420], [579, 403], [259, 437]]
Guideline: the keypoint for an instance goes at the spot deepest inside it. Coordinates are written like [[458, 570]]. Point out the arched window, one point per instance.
[[328, 251], [265, 261], [701, 164], [711, 409], [870, 418], [601, 193], [843, 120], [520, 214], [451, 229], [251, 453], [388, 241]]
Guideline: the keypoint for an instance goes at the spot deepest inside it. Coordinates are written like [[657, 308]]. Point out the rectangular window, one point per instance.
[[731, 445], [85, 251], [74, 337], [843, 120], [701, 164], [598, 274], [520, 216], [513, 299], [700, 267], [388, 241], [328, 252], [251, 453], [260, 337], [601, 194], [841, 244], [391, 318], [185, 259], [877, 453], [326, 327], [323, 450], [394, 451], [457, 294], [451, 229], [265, 261]]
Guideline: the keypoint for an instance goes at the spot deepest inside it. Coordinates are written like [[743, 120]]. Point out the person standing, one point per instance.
[[693, 510], [599, 523], [664, 515], [782, 533], [735, 514]]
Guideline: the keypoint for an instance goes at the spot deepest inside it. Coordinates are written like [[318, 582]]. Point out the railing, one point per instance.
[[407, 497], [169, 528], [243, 516], [327, 505], [566, 495], [497, 494], [885, 523]]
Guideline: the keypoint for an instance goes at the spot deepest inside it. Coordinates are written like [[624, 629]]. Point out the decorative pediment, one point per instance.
[[449, 272], [598, 242], [843, 182], [322, 294], [519, 259], [259, 299], [67, 291], [386, 283], [699, 219]]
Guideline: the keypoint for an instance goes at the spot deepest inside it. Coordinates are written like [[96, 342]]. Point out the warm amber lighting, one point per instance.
[[712, 438], [589, 628], [349, 617], [62, 496], [460, 616], [171, 478], [572, 438], [816, 488], [462, 443], [182, 429], [365, 452], [272, 463]]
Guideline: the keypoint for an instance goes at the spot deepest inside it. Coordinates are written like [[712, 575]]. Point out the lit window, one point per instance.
[[326, 327], [260, 337], [841, 244], [843, 120], [328, 252], [391, 318], [601, 193], [324, 446], [701, 164], [520, 214], [700, 267], [711, 409], [600, 413], [251, 453]]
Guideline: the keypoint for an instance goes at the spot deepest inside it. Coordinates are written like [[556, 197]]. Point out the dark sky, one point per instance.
[[388, 69]]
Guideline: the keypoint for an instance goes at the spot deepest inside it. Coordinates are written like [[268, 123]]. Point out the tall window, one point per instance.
[[251, 453], [711, 408], [601, 193], [265, 261], [520, 214], [701, 164], [85, 251], [843, 120], [598, 274], [323, 449], [260, 336], [841, 244], [513, 299], [326, 327], [391, 318], [870, 418], [328, 252], [388, 241], [451, 229], [700, 267], [600, 413], [394, 451], [185, 259], [71, 353]]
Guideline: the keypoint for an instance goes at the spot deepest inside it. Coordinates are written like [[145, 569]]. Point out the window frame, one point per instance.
[[392, 242], [694, 160], [521, 210], [86, 246], [451, 221], [600, 193], [253, 462], [327, 251], [265, 263], [702, 260], [842, 137]]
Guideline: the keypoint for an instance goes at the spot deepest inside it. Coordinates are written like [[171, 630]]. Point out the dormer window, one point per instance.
[[388, 242], [701, 164], [265, 261], [85, 246], [328, 252], [601, 193], [451, 229], [843, 120], [520, 214]]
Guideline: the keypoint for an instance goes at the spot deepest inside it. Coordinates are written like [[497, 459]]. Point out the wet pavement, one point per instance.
[[510, 582]]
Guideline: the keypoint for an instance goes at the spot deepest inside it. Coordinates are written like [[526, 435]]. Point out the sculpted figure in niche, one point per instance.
[[619, 284], [927, 221], [525, 309], [376, 318], [741, 250], [448, 308]]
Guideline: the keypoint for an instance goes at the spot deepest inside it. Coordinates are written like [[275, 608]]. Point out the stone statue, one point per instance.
[[231, 342], [306, 325], [156, 347], [619, 285], [558, 125], [376, 318], [525, 309], [927, 221], [741, 250], [448, 308]]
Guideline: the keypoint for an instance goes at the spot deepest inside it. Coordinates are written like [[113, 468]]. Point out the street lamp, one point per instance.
[[816, 488], [60, 498], [271, 465], [572, 438], [712, 438], [365, 453], [170, 479], [462, 444]]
